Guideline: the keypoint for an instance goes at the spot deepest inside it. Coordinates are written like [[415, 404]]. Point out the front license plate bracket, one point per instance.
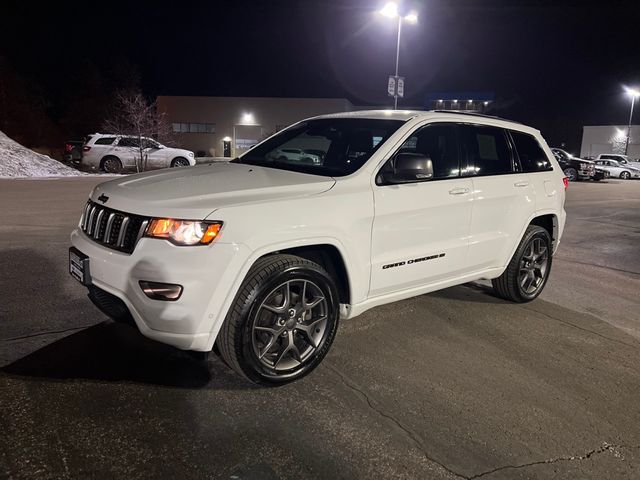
[[79, 266]]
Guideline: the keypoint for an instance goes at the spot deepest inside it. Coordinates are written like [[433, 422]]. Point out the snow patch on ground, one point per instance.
[[19, 161]]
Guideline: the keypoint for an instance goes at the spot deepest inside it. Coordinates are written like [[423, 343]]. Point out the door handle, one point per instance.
[[459, 191], [521, 184]]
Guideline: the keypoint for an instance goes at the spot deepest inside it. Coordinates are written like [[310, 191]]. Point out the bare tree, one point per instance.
[[134, 116]]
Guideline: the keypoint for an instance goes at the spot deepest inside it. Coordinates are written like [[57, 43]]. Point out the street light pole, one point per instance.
[[395, 96], [390, 10], [633, 102]]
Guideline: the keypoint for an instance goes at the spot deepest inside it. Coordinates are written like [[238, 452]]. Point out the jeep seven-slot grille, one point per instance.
[[111, 228]]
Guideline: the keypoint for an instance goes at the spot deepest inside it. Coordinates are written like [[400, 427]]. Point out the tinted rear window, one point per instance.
[[532, 157]]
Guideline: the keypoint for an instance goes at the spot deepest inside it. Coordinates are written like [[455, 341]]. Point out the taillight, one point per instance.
[[565, 180], [86, 149], [68, 147]]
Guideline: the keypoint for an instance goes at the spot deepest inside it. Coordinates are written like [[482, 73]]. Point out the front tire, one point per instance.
[[571, 174], [529, 268], [180, 162], [283, 320], [625, 175]]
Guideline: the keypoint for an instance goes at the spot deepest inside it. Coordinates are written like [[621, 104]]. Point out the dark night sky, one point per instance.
[[557, 65]]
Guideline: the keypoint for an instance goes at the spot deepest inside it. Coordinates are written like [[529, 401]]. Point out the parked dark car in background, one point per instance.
[[575, 168], [73, 151]]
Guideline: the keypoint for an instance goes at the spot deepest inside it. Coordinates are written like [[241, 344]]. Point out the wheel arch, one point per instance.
[[545, 219], [329, 258], [327, 249], [549, 222]]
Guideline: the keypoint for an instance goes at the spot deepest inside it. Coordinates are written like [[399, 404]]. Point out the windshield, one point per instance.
[[330, 146]]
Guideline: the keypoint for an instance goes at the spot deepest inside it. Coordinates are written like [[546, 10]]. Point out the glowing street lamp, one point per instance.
[[633, 93], [390, 10]]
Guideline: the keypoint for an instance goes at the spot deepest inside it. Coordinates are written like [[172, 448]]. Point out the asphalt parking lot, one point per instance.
[[454, 384]]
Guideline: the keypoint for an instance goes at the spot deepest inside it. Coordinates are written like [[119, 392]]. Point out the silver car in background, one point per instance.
[[619, 170]]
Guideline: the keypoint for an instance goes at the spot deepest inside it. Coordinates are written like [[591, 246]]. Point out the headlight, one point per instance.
[[191, 154], [184, 232], [584, 166]]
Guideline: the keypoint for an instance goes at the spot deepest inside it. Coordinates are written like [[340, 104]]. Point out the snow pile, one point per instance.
[[19, 161]]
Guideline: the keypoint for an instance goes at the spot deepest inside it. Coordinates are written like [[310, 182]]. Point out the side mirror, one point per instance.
[[409, 168]]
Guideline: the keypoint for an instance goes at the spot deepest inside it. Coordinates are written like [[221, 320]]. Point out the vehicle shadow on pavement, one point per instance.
[[113, 352], [468, 292]]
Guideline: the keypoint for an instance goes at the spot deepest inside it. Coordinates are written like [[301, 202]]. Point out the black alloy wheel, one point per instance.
[[283, 320]]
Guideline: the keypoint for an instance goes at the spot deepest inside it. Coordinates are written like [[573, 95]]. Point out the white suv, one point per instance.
[[262, 257], [295, 155], [115, 153], [622, 159]]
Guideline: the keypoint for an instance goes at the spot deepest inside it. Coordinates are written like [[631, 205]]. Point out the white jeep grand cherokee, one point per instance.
[[262, 256]]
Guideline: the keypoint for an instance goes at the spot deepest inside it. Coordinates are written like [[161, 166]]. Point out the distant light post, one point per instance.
[[390, 10], [634, 94]]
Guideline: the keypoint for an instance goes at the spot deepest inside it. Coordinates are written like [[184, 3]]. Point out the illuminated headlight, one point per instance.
[[584, 166], [184, 232]]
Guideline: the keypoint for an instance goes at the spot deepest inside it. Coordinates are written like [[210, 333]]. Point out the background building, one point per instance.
[[207, 125], [609, 139], [477, 102]]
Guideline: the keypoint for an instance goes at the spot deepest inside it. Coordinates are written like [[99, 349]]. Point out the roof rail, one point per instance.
[[473, 114]]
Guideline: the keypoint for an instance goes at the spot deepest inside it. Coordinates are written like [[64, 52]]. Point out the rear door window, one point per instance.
[[128, 142], [532, 157], [105, 141], [487, 151]]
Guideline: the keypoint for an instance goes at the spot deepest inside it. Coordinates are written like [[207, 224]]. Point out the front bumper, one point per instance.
[[586, 174], [206, 273]]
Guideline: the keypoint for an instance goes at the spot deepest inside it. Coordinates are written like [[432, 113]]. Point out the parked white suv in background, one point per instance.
[[622, 159], [115, 153], [295, 155], [263, 257]]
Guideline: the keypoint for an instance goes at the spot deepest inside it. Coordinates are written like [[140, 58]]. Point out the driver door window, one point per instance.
[[438, 142]]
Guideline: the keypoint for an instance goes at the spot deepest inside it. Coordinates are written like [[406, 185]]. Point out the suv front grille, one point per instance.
[[112, 228]]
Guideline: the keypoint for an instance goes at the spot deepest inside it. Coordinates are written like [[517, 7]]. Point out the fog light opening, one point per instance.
[[168, 292]]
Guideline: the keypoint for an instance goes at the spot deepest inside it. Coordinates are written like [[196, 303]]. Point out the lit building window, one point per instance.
[[194, 127]]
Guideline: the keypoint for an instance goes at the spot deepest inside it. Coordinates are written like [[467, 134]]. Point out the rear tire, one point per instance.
[[111, 164], [529, 268], [282, 322]]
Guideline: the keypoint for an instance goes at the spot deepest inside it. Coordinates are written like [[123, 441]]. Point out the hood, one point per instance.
[[195, 192], [180, 150], [583, 160]]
